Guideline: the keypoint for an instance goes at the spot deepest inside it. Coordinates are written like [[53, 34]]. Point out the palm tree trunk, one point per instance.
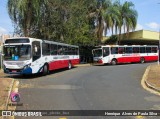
[[119, 39]]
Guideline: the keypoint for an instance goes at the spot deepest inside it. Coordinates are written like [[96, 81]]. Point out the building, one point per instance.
[[3, 38], [141, 37]]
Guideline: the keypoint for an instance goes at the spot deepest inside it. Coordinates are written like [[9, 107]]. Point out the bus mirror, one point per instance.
[[92, 52]]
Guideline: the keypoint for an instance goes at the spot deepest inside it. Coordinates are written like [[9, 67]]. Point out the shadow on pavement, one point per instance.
[[33, 76]]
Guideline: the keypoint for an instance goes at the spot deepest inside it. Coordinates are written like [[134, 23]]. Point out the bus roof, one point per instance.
[[124, 46], [46, 41]]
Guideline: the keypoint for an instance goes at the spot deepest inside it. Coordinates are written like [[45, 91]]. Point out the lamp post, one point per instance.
[[159, 44], [159, 47]]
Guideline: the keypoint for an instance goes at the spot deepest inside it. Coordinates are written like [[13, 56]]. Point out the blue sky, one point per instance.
[[148, 16]]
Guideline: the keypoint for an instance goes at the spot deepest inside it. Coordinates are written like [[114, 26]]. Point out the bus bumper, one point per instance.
[[18, 71], [99, 62]]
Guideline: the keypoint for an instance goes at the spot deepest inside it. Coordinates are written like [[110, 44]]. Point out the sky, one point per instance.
[[148, 16]]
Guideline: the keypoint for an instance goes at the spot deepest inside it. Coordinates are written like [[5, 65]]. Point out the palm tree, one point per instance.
[[24, 13], [128, 17], [99, 15], [111, 17]]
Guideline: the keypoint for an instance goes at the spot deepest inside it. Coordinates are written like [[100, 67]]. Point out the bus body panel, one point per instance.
[[124, 57], [36, 65]]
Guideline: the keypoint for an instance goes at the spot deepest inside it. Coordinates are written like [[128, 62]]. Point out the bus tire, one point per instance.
[[114, 62], [142, 60], [45, 69], [69, 65]]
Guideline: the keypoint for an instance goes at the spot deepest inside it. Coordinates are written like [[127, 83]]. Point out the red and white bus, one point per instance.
[[115, 54], [30, 56]]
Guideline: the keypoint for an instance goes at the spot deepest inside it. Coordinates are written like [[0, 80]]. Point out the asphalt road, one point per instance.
[[88, 88]]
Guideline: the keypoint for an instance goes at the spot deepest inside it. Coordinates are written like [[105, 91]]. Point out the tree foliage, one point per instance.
[[80, 22]]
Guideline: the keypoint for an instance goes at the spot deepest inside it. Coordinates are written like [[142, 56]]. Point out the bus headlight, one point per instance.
[[28, 65]]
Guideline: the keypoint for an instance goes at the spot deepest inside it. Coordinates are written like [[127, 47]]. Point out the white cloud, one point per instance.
[[153, 25], [139, 27], [2, 30]]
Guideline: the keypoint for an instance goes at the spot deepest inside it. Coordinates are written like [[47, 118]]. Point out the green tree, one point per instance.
[[128, 17], [24, 13]]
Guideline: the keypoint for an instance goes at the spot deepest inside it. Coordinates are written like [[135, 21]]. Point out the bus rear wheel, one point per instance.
[[69, 65], [114, 62], [142, 60], [45, 69]]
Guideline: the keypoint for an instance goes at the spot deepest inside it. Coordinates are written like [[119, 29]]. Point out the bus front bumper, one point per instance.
[[18, 71]]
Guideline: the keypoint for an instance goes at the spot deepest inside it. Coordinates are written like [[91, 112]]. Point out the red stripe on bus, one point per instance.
[[136, 59], [62, 64]]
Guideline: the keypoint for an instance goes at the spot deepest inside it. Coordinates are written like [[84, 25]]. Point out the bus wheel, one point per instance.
[[45, 69], [114, 62], [142, 60], [69, 65]]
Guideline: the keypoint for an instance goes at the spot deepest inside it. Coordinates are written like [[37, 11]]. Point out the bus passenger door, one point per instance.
[[106, 53], [36, 56]]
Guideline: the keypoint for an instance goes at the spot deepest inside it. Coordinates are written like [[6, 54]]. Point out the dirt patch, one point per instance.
[[5, 84], [154, 76]]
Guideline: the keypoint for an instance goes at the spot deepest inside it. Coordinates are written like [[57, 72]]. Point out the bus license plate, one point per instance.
[[14, 71]]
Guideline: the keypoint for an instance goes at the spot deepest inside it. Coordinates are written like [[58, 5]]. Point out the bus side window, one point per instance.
[[142, 50], [135, 49], [45, 49], [114, 50], [128, 49], [73, 50], [69, 50], [53, 49], [148, 49], [154, 49], [36, 50], [60, 50], [121, 50], [65, 49]]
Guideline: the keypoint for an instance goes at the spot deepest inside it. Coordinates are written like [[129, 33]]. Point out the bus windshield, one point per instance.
[[17, 52], [97, 52]]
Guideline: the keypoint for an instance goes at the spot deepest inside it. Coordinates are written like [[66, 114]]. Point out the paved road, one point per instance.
[[89, 88]]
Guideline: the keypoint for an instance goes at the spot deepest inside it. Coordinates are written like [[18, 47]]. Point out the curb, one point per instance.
[[9, 93], [148, 86]]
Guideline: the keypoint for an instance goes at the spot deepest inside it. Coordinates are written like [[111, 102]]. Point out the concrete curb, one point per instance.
[[148, 86], [9, 93]]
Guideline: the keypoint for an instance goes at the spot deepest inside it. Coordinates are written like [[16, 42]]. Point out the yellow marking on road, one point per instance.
[[139, 117], [62, 118]]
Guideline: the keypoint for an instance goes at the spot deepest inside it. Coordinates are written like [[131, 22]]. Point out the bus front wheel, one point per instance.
[[45, 69], [114, 62]]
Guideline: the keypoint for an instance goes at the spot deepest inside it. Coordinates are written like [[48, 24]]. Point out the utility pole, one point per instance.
[[159, 46]]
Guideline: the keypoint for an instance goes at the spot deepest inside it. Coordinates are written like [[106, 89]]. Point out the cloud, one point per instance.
[[2, 30], [139, 27], [153, 25]]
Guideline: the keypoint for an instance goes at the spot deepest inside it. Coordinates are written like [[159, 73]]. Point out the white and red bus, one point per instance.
[[30, 56], [115, 54]]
